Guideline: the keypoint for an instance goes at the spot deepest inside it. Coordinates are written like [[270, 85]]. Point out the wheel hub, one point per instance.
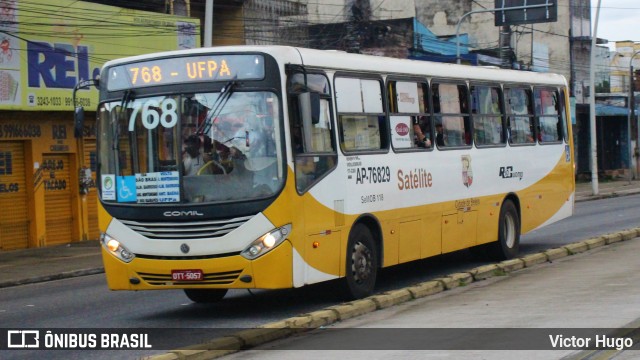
[[361, 263]]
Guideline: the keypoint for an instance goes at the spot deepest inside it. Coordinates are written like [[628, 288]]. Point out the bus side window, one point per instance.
[[451, 114], [487, 119], [410, 121], [313, 156], [361, 115], [547, 112], [521, 126]]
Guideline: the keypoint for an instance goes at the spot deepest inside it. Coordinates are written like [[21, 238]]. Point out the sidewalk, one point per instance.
[[26, 266], [613, 188], [19, 267]]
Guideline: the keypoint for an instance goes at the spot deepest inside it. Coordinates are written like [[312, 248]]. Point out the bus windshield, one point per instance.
[[188, 148]]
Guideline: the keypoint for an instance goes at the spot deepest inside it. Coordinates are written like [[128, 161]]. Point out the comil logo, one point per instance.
[[22, 339], [183, 213]]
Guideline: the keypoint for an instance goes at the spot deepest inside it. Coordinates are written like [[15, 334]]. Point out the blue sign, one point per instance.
[[126, 188]]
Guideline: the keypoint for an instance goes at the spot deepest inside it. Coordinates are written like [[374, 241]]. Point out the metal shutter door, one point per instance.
[[57, 198], [14, 222]]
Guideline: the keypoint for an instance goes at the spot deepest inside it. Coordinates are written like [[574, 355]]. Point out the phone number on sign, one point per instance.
[[58, 101], [47, 101]]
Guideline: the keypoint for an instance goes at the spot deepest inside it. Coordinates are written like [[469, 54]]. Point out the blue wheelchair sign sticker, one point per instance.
[[126, 188]]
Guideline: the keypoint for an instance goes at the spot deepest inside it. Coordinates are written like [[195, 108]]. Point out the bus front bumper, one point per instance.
[[273, 270]]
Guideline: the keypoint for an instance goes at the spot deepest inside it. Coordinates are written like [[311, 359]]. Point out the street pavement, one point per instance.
[[589, 284]]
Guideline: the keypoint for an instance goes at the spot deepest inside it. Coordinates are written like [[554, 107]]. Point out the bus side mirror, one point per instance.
[[309, 107], [309, 104], [78, 115], [78, 121]]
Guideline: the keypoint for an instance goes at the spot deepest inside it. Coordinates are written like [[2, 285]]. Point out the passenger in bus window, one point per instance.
[[518, 104], [547, 135], [192, 159], [421, 132], [439, 135], [530, 138], [207, 147], [249, 137], [259, 154], [213, 161]]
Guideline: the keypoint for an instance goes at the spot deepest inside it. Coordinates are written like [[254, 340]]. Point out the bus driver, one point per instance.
[[192, 159]]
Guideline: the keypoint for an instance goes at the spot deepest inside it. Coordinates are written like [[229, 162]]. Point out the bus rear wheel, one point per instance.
[[204, 296], [361, 263], [508, 243]]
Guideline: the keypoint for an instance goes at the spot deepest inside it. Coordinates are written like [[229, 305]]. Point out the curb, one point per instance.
[[249, 338], [59, 276], [613, 194]]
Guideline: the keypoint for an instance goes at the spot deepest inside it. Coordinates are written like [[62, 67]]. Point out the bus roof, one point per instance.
[[343, 61]]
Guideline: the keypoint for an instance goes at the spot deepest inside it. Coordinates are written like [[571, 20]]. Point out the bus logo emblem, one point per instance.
[[402, 129], [184, 248], [467, 172], [183, 213]]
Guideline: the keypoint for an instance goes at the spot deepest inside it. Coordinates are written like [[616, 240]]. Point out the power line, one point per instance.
[[262, 29]]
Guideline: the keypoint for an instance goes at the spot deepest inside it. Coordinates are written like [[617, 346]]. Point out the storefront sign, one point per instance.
[[39, 68]]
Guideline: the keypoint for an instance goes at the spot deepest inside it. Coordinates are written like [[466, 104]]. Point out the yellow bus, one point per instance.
[[272, 167]]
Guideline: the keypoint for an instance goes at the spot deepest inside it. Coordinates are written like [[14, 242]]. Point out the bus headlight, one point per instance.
[[116, 248], [266, 242]]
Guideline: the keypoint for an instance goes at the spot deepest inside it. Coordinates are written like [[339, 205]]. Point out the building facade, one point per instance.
[[620, 63], [46, 173]]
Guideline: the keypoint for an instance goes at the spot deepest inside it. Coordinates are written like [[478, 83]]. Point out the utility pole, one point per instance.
[[506, 53], [592, 107], [208, 23], [632, 115]]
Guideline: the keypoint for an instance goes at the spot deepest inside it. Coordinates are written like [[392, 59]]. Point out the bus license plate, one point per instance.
[[186, 275]]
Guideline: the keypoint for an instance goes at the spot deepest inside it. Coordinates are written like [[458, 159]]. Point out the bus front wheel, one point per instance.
[[361, 263], [508, 242], [205, 295]]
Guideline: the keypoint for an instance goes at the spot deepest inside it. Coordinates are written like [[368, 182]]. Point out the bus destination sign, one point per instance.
[[186, 69]]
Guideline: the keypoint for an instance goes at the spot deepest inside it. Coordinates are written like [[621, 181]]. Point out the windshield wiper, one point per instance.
[[217, 107], [128, 95], [126, 98]]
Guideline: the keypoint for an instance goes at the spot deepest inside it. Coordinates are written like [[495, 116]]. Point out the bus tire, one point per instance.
[[204, 296], [361, 263], [508, 243]]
